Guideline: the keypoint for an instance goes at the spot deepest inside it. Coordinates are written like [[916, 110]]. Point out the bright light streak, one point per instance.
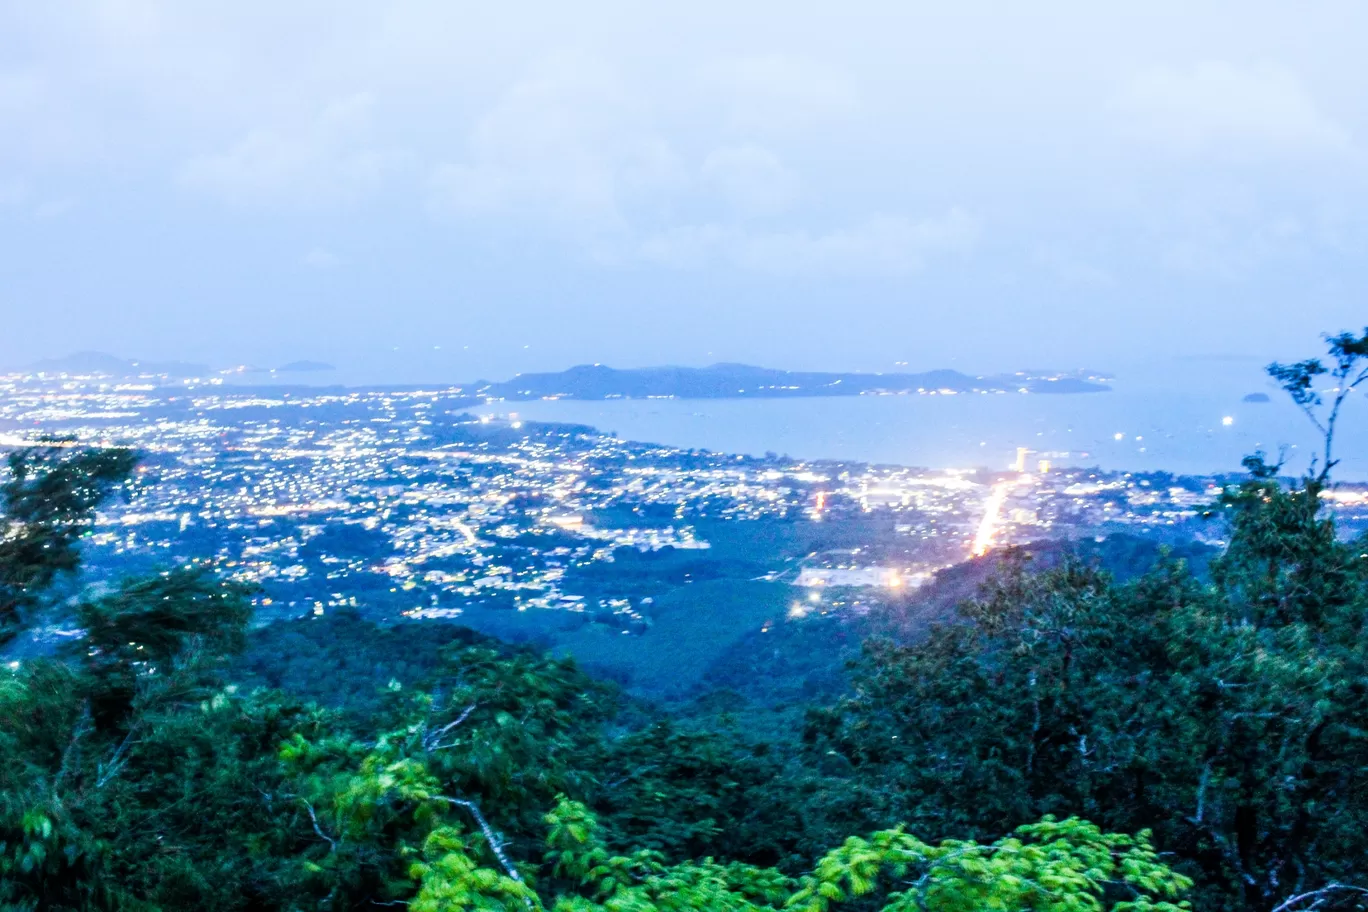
[[992, 510], [466, 531]]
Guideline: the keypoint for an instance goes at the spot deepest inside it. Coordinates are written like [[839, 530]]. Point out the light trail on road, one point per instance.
[[992, 511]]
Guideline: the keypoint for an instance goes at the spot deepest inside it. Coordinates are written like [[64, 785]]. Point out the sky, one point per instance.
[[428, 189]]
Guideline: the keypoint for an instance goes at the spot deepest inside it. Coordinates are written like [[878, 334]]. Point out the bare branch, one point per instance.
[[432, 740], [496, 843], [117, 761], [332, 844], [1318, 897], [639, 771], [83, 727], [1201, 792]]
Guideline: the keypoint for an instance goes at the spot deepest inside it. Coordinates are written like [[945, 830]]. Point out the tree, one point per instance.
[[691, 792], [1222, 714], [1068, 865], [96, 745], [1348, 370], [49, 500]]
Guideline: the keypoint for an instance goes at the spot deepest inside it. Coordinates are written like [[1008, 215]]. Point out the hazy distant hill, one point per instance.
[[596, 381], [731, 381], [92, 362], [304, 367]]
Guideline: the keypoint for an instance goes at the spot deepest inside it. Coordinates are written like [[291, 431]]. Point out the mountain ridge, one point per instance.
[[728, 380], [722, 380]]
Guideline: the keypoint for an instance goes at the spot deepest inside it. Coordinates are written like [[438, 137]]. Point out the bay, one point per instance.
[[1186, 417]]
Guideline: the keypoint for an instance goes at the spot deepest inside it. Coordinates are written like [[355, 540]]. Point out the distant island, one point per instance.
[[304, 367], [742, 381], [93, 363], [598, 381]]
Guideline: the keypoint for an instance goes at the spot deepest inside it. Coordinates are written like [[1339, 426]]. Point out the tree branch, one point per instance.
[[83, 727], [313, 818], [117, 761], [1319, 896], [495, 841], [432, 740], [1201, 792]]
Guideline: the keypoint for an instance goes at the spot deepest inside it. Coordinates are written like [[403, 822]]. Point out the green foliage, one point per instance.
[[151, 805], [1224, 715], [690, 792], [1069, 865], [49, 500], [157, 635], [345, 663], [451, 879]]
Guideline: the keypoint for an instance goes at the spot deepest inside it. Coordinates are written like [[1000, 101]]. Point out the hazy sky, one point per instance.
[[448, 190]]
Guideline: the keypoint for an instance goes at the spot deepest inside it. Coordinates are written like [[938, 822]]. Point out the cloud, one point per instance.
[[568, 143], [19, 196], [36, 124], [571, 149], [13, 192], [776, 92], [21, 91], [326, 159], [1072, 269], [322, 258], [751, 179], [1217, 106], [881, 245], [54, 208], [1233, 238]]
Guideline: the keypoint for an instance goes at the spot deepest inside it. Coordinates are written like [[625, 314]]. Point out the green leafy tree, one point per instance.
[[1223, 715], [690, 792], [109, 758], [1068, 865], [48, 502], [1348, 370]]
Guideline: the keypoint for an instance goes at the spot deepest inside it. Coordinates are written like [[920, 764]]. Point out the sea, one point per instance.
[[1184, 416]]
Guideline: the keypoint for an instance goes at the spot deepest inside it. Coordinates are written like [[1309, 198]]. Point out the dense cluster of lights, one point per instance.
[[470, 507]]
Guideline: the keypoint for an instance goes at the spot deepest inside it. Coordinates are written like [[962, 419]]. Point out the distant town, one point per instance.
[[404, 503]]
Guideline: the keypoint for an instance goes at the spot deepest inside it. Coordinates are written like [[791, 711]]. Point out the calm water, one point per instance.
[[1168, 416]]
